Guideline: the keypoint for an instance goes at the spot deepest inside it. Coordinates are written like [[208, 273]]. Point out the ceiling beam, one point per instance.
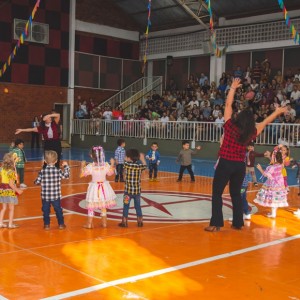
[[195, 8]]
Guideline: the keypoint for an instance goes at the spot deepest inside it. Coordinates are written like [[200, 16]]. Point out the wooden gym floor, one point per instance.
[[171, 257]]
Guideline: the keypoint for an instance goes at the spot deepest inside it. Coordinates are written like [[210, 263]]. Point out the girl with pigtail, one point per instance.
[[273, 193], [100, 194]]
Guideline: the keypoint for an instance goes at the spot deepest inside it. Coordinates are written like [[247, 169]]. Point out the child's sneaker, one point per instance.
[[255, 184], [151, 179], [155, 179], [23, 186], [62, 226], [297, 212], [247, 216]]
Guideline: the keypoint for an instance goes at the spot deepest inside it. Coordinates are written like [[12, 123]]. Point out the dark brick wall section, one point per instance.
[[22, 103]]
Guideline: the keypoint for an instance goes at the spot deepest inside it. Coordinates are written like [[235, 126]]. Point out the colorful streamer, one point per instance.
[[21, 40], [146, 35], [217, 51], [294, 32]]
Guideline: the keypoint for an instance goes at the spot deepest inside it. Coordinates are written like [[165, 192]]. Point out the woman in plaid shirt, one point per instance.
[[133, 171], [238, 132]]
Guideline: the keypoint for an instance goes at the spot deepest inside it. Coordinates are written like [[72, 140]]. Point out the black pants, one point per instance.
[[234, 173], [54, 145], [119, 170], [152, 167], [189, 168], [35, 139]]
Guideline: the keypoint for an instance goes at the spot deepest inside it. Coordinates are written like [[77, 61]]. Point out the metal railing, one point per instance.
[[132, 96], [195, 131]]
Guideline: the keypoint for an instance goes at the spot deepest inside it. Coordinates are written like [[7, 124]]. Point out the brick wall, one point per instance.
[[22, 103]]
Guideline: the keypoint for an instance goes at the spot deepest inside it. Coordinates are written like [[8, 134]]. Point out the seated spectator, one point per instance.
[[254, 85], [219, 100], [205, 87], [278, 77], [238, 73], [222, 88], [216, 111], [202, 79], [295, 95], [248, 74]]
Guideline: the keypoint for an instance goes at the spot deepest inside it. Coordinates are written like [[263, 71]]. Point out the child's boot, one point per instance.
[[89, 223], [124, 222], [104, 221], [140, 222]]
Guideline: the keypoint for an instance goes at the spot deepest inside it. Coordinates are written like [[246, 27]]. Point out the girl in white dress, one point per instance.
[[100, 194]]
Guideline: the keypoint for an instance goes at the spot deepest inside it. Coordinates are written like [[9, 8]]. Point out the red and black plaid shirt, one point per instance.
[[231, 149]]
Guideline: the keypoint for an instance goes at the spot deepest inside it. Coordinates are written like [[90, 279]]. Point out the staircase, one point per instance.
[[132, 96]]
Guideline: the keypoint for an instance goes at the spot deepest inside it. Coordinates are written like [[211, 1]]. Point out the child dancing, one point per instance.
[[273, 192], [9, 190], [133, 185], [154, 160], [100, 194]]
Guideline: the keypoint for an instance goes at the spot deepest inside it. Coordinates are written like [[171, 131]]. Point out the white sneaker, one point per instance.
[[230, 219], [23, 186], [297, 212], [247, 217]]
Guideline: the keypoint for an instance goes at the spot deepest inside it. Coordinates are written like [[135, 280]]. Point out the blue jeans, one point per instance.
[[245, 202], [152, 167], [137, 204], [58, 210]]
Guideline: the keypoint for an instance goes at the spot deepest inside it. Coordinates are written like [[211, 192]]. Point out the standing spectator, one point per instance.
[[35, 137], [256, 71]]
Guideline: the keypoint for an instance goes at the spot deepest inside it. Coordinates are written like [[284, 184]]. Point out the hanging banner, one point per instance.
[[21, 40], [293, 30], [217, 51], [146, 35]]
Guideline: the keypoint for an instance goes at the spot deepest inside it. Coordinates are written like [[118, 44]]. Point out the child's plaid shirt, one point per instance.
[[133, 177], [50, 180]]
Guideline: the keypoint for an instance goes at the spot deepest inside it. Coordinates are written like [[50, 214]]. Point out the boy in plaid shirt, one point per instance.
[[133, 171], [120, 154], [50, 180]]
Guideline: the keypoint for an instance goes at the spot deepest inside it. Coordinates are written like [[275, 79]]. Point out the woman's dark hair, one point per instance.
[[42, 120], [133, 154], [245, 123], [278, 157]]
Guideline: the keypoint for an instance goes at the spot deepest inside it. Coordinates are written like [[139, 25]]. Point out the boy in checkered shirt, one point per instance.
[[50, 180], [133, 169]]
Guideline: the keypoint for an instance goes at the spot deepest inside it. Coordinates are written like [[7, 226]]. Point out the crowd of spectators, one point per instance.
[[203, 101]]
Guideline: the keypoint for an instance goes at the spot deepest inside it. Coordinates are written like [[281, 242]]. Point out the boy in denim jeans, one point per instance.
[[132, 190], [50, 180]]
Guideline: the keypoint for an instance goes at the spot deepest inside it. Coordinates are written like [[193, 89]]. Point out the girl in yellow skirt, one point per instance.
[[8, 190]]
